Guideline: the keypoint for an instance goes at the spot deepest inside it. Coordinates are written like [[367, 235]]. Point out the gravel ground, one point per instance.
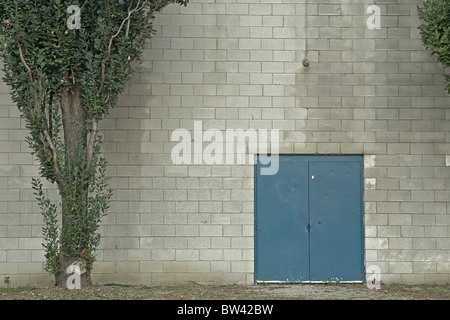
[[234, 292], [358, 292]]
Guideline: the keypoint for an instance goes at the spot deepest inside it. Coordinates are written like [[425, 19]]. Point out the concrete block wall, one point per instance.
[[237, 64]]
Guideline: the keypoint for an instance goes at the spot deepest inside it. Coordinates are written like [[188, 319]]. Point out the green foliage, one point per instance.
[[84, 209], [435, 31], [42, 57], [50, 230], [64, 80], [58, 57]]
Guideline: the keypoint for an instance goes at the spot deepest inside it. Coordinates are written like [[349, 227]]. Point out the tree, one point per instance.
[[66, 62], [435, 31]]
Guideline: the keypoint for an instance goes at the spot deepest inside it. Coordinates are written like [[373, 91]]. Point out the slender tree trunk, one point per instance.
[[75, 139], [73, 118]]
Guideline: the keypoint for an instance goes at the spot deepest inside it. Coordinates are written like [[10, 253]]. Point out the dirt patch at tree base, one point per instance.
[[233, 292]]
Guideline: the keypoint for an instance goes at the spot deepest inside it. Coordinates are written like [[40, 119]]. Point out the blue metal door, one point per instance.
[[282, 242], [335, 205], [308, 220]]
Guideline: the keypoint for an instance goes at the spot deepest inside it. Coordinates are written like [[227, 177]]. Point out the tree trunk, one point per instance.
[[73, 272], [73, 118]]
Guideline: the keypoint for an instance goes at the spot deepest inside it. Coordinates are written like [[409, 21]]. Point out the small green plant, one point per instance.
[[7, 281], [333, 282]]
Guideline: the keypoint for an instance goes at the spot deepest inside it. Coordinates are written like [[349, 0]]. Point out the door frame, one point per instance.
[[315, 157]]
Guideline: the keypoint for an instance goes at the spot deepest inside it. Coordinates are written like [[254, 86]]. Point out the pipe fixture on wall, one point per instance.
[[305, 60]]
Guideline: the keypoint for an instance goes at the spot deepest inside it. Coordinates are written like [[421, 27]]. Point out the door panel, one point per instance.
[[281, 223], [335, 217]]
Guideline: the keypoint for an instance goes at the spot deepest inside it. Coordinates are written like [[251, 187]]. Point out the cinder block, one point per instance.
[[400, 243], [377, 243], [424, 243], [174, 266], [30, 243], [210, 231], [260, 9], [187, 254], [211, 255], [389, 231], [400, 267], [443, 243], [18, 256], [198, 267], [443, 267], [436, 278], [400, 220], [241, 266]]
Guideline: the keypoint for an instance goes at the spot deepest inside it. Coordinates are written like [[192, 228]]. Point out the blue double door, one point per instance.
[[309, 220]]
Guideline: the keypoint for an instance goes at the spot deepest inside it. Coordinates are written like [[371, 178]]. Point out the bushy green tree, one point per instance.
[[435, 31], [66, 62]]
